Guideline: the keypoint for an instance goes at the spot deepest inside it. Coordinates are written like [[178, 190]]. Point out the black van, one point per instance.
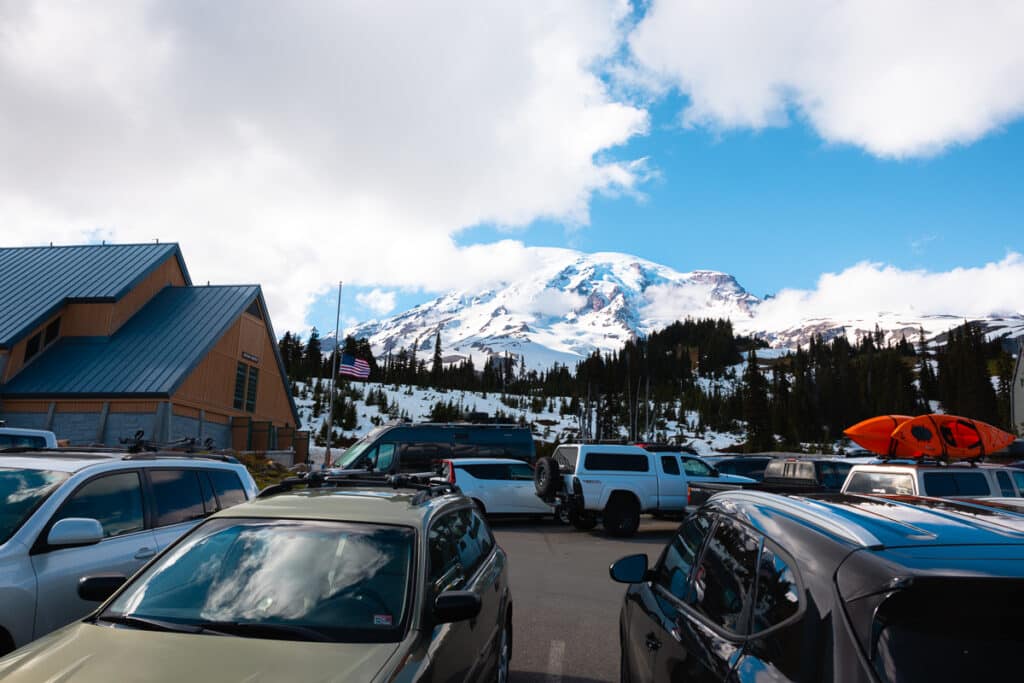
[[412, 447]]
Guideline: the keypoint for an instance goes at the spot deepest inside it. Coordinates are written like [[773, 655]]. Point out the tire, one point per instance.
[[563, 516], [547, 478], [503, 669], [622, 516], [624, 676], [582, 522]]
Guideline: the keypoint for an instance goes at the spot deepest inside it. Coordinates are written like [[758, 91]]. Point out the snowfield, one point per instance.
[[547, 425]]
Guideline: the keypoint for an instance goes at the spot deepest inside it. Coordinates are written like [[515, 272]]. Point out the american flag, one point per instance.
[[354, 367]]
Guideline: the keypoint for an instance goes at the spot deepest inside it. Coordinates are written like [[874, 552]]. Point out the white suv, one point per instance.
[[929, 479], [613, 483], [67, 514]]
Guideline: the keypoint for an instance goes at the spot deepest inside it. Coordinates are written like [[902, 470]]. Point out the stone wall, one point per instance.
[[24, 420]]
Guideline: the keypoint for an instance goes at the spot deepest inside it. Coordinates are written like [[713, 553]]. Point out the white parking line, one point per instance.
[[555, 661]]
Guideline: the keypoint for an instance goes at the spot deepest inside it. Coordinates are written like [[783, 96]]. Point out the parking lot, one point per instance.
[[566, 607]]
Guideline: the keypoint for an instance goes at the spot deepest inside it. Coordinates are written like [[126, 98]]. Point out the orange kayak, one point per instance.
[[875, 434], [950, 436]]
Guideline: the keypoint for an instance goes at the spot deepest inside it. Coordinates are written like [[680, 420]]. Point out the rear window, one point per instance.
[[486, 471], [616, 462], [956, 484], [891, 483], [21, 441], [177, 495], [949, 630], [746, 468], [790, 469], [228, 487]]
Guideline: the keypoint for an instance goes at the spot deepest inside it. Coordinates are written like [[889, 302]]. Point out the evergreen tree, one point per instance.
[[314, 358], [438, 365], [755, 408]]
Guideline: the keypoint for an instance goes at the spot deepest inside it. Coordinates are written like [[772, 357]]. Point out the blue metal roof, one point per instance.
[[36, 281], [149, 356]]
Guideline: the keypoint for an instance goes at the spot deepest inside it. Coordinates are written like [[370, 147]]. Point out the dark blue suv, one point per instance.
[[763, 587]]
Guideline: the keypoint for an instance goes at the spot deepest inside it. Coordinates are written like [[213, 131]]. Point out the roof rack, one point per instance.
[[423, 483]]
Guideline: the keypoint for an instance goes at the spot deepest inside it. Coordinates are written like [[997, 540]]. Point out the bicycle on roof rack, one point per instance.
[[424, 483], [138, 444]]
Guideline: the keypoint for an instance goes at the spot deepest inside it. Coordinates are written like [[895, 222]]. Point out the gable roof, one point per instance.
[[149, 356], [36, 281]]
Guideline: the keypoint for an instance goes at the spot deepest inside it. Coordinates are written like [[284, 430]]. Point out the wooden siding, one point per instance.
[[145, 407], [186, 411], [26, 406], [98, 319], [167, 274], [212, 383], [79, 406]]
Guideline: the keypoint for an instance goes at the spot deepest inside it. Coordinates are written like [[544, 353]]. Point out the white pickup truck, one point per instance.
[[588, 482]]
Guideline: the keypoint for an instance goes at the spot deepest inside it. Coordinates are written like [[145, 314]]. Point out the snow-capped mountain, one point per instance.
[[570, 305], [574, 303]]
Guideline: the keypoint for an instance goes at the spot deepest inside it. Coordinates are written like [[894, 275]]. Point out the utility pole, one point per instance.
[[334, 375]]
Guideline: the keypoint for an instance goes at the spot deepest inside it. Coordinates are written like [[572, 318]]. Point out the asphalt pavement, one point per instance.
[[566, 608]]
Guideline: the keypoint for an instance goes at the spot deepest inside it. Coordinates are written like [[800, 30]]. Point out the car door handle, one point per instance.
[[144, 553], [653, 643]]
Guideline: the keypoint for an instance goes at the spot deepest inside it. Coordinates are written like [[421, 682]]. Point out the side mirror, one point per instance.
[[456, 606], [629, 569], [714, 472], [99, 588], [74, 531]]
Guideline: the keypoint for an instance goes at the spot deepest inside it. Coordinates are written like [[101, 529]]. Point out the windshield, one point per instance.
[[351, 456], [293, 580], [21, 492]]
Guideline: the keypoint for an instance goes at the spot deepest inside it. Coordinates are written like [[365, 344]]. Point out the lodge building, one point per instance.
[[100, 341]]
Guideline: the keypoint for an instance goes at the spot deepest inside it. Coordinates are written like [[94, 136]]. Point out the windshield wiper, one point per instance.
[[251, 629], [152, 624]]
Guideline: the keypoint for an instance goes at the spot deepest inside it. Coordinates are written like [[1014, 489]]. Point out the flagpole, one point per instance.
[[334, 375]]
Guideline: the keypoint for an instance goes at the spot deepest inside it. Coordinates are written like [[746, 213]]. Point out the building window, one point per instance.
[[254, 309], [32, 347], [240, 376], [246, 378], [250, 393], [52, 332]]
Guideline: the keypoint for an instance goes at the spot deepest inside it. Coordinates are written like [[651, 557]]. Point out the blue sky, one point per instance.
[[778, 207]]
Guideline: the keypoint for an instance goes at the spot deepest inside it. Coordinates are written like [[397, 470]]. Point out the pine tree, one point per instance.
[[755, 408], [438, 365]]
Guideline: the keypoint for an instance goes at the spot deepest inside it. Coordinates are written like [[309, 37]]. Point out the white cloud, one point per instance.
[[867, 289], [296, 144], [547, 302], [898, 79], [378, 301]]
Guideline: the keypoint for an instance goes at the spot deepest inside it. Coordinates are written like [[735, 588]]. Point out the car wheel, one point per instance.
[[582, 521], [622, 516], [624, 676], [547, 478], [504, 654], [562, 516]]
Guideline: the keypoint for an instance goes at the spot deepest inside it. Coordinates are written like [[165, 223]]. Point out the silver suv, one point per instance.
[[65, 514]]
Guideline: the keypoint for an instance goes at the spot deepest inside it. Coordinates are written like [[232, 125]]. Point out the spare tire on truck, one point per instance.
[[547, 478]]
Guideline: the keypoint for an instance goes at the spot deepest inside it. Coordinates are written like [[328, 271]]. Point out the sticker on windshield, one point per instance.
[[382, 620]]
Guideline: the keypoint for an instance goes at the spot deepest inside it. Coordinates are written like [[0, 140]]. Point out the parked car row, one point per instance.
[[402, 576]]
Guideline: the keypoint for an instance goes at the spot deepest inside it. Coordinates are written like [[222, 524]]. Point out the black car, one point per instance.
[[421, 447], [766, 587]]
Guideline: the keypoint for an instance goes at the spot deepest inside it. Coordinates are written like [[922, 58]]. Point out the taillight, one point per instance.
[[451, 471]]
